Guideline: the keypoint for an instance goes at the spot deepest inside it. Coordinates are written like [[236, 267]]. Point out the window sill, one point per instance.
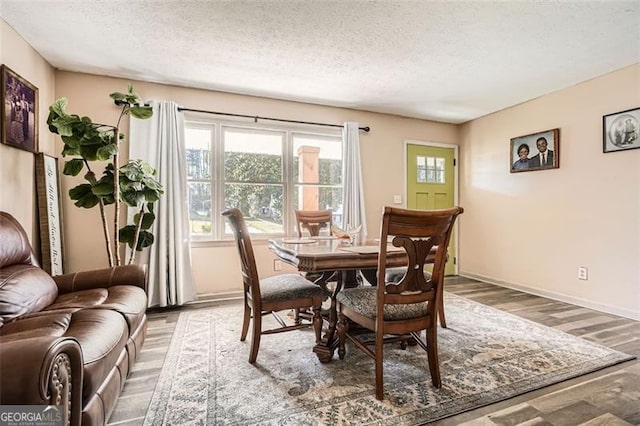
[[228, 243]]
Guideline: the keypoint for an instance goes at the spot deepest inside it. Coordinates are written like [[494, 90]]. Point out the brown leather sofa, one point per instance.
[[70, 340]]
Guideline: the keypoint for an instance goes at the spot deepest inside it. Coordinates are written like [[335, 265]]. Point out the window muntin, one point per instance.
[[265, 172]]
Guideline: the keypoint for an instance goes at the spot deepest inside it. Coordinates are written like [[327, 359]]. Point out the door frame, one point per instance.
[[455, 183]]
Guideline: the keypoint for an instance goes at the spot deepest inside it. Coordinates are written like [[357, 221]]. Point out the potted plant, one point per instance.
[[89, 145]]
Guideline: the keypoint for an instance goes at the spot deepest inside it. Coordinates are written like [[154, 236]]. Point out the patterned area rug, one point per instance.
[[485, 356]]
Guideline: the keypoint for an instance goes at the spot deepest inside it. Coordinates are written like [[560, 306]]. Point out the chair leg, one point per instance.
[[317, 322], [379, 355], [432, 355], [342, 328], [443, 322], [245, 321], [257, 332], [440, 306]]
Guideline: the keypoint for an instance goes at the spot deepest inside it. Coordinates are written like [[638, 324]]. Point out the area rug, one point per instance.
[[486, 355]]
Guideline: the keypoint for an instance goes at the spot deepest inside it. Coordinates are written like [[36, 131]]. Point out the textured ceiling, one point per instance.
[[449, 61]]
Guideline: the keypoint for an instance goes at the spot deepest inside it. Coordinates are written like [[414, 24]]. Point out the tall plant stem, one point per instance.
[[135, 239], [91, 177], [105, 229], [116, 198], [116, 185]]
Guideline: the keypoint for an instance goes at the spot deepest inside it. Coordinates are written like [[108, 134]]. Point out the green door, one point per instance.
[[430, 184]]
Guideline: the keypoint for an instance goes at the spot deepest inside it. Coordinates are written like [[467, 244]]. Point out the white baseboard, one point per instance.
[[217, 297], [615, 310]]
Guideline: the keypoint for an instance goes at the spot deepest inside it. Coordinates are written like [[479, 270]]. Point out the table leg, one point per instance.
[[324, 350]]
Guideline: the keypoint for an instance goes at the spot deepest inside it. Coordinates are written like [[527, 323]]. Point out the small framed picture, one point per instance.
[[537, 151], [620, 130], [19, 110]]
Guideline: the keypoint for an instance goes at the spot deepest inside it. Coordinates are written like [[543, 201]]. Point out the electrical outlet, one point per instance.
[[583, 273], [397, 199], [277, 265]]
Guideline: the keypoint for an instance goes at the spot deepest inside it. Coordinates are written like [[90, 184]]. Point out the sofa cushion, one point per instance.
[[102, 335], [130, 301], [15, 248], [79, 299], [24, 289], [53, 325]]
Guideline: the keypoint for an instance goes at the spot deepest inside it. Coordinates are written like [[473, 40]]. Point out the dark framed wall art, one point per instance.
[[19, 111], [47, 186], [537, 151], [620, 130]]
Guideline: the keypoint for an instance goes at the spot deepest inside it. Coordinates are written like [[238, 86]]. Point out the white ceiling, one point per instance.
[[449, 61]]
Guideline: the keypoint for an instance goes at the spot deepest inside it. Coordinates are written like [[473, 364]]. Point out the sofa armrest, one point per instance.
[[135, 275], [43, 371]]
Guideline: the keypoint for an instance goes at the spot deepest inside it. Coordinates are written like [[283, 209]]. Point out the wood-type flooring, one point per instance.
[[607, 397]]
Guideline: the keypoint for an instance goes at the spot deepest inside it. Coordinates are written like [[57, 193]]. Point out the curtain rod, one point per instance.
[[257, 117]]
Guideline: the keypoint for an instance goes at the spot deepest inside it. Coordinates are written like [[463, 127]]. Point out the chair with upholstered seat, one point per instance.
[[313, 221], [272, 294], [410, 305]]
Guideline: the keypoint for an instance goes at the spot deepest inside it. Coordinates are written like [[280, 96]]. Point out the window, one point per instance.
[[430, 169], [266, 172]]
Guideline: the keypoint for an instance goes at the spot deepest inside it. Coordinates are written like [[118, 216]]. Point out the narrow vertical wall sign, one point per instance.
[[49, 212]]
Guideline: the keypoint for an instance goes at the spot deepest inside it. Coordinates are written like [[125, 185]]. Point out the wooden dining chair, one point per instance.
[[408, 306], [270, 295], [313, 221]]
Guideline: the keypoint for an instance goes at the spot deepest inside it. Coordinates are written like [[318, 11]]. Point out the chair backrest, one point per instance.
[[313, 221], [250, 277], [417, 232]]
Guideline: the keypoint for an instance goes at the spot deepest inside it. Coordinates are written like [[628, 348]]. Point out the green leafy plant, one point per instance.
[[92, 145]]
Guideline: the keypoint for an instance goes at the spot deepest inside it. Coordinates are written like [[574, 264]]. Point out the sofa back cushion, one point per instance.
[[14, 244], [24, 289]]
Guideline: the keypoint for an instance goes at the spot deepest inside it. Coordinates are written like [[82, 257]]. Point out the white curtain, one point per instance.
[[353, 213], [160, 141]]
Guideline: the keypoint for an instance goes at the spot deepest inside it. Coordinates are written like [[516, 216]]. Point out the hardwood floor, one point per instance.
[[607, 397]]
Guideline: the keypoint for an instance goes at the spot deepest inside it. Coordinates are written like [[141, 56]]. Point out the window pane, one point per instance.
[[198, 147], [421, 165], [260, 204], [440, 170], [317, 159], [327, 198], [200, 208], [252, 157], [431, 162]]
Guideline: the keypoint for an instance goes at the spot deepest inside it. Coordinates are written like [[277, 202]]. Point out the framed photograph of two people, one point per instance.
[[537, 151], [621, 130]]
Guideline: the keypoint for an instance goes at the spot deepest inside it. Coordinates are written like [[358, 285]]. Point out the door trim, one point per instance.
[[455, 183]]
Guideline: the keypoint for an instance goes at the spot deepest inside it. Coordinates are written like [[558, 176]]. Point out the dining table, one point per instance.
[[337, 262]]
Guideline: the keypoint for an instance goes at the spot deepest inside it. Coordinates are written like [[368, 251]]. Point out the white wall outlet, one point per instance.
[[277, 265], [397, 199], [583, 273]]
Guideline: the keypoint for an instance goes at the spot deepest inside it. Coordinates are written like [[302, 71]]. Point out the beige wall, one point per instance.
[[17, 187], [216, 268], [526, 230], [533, 230]]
